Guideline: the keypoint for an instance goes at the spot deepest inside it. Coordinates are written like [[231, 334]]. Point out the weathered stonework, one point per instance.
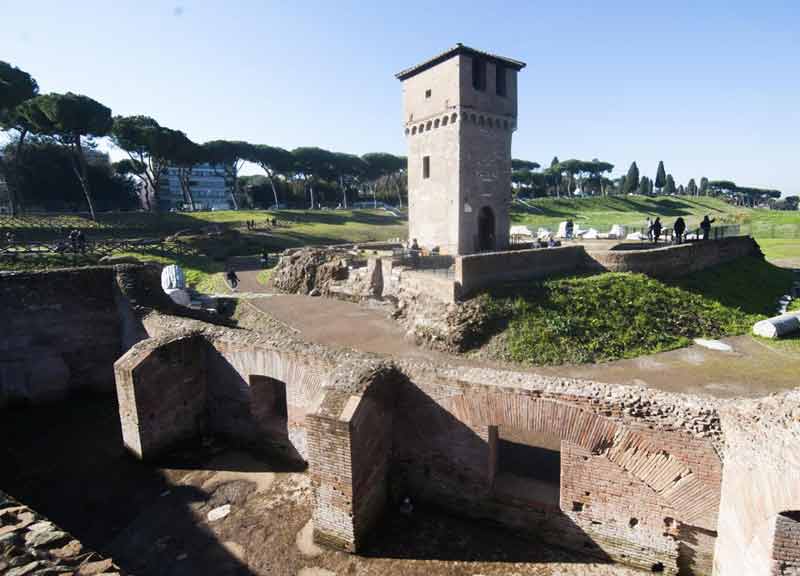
[[673, 483], [459, 131], [31, 544], [640, 470]]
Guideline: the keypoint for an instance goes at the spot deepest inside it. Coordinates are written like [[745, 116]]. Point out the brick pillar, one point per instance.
[[786, 545], [349, 440]]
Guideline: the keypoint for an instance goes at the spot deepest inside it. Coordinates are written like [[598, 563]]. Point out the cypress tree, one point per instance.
[[669, 187], [661, 176], [631, 180]]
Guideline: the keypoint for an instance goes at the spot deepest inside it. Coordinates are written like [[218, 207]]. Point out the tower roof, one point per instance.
[[454, 51]]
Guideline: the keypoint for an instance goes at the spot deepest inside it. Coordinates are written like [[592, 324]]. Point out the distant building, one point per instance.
[[96, 158], [210, 189]]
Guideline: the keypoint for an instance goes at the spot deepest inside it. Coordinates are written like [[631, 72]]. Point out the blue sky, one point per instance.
[[712, 88]]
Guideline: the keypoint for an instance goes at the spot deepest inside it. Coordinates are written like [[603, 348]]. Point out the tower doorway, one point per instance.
[[486, 235]]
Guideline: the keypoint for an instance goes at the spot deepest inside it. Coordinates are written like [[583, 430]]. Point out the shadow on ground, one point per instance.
[[67, 462]]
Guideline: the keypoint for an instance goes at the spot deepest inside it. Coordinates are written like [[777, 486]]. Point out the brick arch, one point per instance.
[[652, 464], [304, 380]]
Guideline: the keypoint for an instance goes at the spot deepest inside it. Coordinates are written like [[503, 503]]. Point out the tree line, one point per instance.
[[65, 125], [589, 178]]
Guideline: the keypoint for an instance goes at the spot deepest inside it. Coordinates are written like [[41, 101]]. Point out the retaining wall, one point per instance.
[[475, 272], [676, 260], [60, 332]]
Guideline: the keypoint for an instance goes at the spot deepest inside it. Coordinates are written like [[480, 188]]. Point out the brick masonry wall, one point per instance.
[[675, 261], [479, 271], [638, 452], [60, 332], [161, 390], [761, 481], [475, 272], [631, 467], [786, 545]]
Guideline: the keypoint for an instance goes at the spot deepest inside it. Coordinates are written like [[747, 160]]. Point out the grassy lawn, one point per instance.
[[781, 249], [207, 253], [294, 226], [611, 316], [603, 212]]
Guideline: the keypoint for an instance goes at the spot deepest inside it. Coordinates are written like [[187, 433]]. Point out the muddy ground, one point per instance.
[[67, 462]]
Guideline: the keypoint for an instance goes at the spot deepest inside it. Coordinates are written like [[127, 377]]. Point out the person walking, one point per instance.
[[705, 226], [657, 229], [648, 228], [679, 228], [233, 279]]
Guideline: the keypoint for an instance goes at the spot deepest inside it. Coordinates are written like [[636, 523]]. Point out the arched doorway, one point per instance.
[[486, 236]]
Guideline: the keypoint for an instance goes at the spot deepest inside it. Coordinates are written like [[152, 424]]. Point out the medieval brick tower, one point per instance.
[[460, 109]]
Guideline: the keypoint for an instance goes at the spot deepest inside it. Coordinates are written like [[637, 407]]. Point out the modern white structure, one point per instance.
[[211, 190]]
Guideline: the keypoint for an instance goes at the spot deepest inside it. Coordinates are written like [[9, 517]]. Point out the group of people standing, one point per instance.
[[655, 228]]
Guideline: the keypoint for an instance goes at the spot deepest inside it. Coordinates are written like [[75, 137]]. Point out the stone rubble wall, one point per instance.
[[31, 544], [60, 332], [63, 329], [334, 271]]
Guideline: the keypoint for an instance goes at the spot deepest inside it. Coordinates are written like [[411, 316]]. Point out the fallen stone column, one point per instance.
[[778, 326]]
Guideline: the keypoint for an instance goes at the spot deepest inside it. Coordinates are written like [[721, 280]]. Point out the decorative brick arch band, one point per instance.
[[650, 463]]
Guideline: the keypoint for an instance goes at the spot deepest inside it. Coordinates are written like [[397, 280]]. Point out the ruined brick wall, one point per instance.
[[161, 391], [232, 362], [231, 410], [60, 332], [350, 443], [640, 474], [32, 544], [475, 272], [761, 482], [786, 545], [675, 261], [479, 271], [63, 329]]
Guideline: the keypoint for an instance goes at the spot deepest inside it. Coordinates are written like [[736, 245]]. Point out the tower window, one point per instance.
[[500, 80], [478, 73], [428, 93], [426, 166]]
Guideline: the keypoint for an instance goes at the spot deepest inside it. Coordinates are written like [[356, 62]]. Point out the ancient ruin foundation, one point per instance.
[[671, 483]]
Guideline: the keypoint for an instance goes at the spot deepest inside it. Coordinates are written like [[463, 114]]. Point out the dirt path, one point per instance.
[[751, 369]]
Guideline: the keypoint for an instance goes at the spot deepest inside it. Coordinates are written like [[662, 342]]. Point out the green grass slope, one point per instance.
[[603, 212], [204, 256], [613, 315]]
